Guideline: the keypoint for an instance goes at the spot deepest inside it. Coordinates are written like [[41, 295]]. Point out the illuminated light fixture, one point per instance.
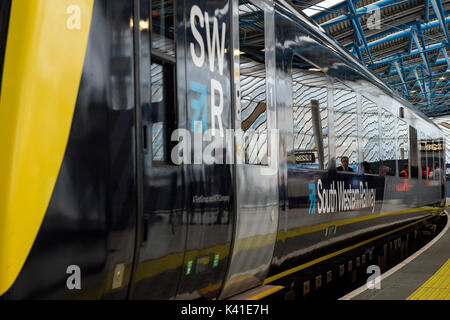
[[238, 52], [442, 78], [413, 91], [143, 24], [431, 118]]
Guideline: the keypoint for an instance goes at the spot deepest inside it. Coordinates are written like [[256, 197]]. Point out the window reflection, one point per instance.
[[253, 83], [370, 137], [346, 128], [403, 149], [388, 143], [310, 101], [162, 26], [414, 165]]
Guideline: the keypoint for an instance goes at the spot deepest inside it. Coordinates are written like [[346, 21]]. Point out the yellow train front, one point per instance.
[[193, 149]]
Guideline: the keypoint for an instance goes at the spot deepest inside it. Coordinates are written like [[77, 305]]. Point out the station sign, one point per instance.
[[305, 157], [431, 147]]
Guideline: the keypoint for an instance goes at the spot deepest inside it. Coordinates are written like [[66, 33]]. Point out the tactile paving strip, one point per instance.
[[435, 288]]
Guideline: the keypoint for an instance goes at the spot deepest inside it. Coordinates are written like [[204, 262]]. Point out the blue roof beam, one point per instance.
[[323, 13], [413, 52], [427, 11], [434, 75], [404, 26], [417, 37], [357, 52], [421, 83], [358, 28], [439, 10], [439, 95], [401, 75], [405, 33], [359, 12], [444, 51]]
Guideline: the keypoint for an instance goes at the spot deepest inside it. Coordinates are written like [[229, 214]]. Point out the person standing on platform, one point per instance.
[[437, 173], [404, 172], [344, 166]]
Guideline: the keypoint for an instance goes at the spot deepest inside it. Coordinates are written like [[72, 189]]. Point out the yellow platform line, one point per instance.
[[266, 293], [435, 288]]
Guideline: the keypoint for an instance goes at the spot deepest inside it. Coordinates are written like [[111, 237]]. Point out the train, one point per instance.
[[168, 149]]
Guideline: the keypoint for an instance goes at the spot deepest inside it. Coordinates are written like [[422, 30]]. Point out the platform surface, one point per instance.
[[426, 276]]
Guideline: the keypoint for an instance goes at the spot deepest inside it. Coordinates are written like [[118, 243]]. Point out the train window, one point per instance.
[[370, 137], [162, 115], [310, 115], [434, 146], [346, 128], [435, 159], [424, 154], [414, 157], [403, 149], [430, 155], [253, 83], [441, 145], [162, 112], [388, 143], [163, 28]]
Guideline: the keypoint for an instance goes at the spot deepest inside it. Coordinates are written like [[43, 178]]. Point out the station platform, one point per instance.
[[423, 276]]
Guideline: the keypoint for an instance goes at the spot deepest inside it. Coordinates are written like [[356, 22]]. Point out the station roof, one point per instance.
[[406, 43]]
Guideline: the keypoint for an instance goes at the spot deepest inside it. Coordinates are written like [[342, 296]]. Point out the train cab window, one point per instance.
[[388, 143], [370, 137], [414, 156], [346, 128], [403, 149], [160, 120], [253, 83], [310, 115]]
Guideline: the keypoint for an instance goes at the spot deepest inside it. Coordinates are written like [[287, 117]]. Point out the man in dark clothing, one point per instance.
[[344, 166]]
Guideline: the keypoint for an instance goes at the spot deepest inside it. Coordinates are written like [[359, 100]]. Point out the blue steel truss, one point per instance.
[[416, 80]]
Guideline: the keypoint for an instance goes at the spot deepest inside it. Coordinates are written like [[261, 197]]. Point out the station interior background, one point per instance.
[[406, 43]]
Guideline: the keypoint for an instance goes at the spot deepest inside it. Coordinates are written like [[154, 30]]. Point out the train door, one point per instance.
[[161, 232], [204, 47], [186, 193], [256, 146]]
